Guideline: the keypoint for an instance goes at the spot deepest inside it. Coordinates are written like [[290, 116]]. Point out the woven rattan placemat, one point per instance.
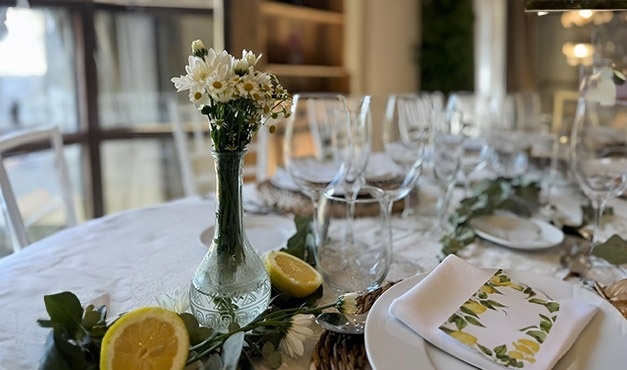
[[289, 201], [342, 351]]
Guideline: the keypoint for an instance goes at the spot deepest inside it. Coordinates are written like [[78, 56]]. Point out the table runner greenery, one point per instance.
[[522, 198]]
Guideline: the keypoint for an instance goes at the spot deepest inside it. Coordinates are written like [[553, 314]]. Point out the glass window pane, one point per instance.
[[137, 54], [37, 81], [138, 173], [37, 191]]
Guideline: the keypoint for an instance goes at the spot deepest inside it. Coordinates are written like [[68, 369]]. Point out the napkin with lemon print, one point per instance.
[[483, 317], [523, 318]]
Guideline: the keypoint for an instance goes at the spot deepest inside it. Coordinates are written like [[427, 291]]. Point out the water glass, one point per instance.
[[354, 255]]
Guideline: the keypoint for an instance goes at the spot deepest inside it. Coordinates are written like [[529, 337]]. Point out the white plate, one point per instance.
[[392, 345], [516, 232], [265, 232]]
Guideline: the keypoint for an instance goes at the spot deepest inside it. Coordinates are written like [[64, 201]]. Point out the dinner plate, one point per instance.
[[392, 345], [516, 232], [265, 232]]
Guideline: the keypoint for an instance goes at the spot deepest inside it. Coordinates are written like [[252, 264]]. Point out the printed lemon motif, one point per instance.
[[532, 345], [463, 337], [488, 289], [475, 307], [500, 279], [291, 275], [145, 338]]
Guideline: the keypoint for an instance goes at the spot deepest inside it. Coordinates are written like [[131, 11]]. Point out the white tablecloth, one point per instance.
[[137, 255]]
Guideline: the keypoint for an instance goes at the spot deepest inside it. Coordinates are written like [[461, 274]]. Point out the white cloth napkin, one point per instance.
[[429, 304]]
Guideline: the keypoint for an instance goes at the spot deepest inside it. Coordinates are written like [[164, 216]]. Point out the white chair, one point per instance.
[[193, 148], [19, 224]]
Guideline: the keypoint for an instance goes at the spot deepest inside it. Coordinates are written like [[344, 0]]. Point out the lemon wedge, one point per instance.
[[291, 275], [145, 338]]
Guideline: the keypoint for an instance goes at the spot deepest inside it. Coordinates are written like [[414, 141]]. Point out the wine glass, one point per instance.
[[395, 168], [448, 150], [467, 115], [598, 155], [360, 141], [356, 155], [316, 143], [509, 144]]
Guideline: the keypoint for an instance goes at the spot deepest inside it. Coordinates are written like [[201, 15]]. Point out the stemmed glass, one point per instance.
[[448, 150], [598, 152], [356, 155], [467, 116], [396, 169], [316, 143], [508, 142]]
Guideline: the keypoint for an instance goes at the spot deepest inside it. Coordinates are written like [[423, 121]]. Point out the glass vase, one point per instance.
[[231, 284]]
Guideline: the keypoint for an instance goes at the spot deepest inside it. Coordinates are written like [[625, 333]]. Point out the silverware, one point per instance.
[[341, 323]]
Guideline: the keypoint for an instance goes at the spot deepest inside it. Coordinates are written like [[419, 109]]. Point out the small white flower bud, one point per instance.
[[198, 46]]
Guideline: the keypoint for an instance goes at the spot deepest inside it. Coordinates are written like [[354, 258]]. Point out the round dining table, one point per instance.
[[126, 260]]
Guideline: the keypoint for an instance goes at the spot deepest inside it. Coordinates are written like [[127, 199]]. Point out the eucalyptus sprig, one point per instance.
[[514, 195]]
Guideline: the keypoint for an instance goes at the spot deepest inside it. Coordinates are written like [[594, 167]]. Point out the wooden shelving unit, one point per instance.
[[302, 42]]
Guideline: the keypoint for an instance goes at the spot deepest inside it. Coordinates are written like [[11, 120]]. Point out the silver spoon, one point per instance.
[[341, 323]]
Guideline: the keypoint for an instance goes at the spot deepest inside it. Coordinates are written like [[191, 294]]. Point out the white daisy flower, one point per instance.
[[248, 87], [347, 303], [177, 301], [292, 343], [219, 83]]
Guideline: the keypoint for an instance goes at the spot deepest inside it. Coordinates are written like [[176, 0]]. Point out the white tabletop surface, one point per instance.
[[137, 255]]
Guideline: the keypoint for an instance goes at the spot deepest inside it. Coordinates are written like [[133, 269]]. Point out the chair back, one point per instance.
[[19, 223]]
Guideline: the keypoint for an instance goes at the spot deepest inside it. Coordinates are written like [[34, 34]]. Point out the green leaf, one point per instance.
[[275, 360], [537, 301], [487, 304], [614, 250], [302, 243], [495, 303], [267, 349], [65, 308], [93, 318], [474, 321], [552, 306], [538, 335], [197, 334], [500, 350], [468, 311], [485, 350], [546, 326], [73, 354]]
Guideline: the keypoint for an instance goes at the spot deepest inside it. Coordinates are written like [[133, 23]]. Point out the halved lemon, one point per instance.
[[145, 338], [291, 275]]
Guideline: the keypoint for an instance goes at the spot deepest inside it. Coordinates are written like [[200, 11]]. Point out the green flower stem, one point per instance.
[[228, 237]]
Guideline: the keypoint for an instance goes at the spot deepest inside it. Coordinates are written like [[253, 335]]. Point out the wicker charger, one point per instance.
[[343, 351], [290, 201]]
